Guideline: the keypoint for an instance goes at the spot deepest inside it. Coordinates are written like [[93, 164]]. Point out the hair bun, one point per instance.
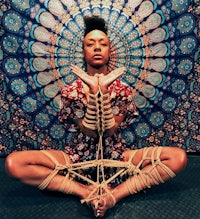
[[94, 23]]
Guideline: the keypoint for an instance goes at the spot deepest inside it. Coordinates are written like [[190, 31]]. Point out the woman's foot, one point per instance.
[[90, 193], [103, 203]]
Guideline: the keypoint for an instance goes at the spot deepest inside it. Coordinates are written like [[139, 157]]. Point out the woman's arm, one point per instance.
[[87, 131], [99, 116], [113, 130], [94, 134]]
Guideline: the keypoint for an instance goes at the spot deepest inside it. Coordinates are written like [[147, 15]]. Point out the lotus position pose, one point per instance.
[[96, 106]]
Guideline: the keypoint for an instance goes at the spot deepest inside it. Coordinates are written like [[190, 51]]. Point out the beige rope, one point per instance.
[[99, 117], [145, 178], [99, 114], [55, 171]]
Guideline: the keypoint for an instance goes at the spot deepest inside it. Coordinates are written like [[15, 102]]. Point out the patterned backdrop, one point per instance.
[[157, 40]]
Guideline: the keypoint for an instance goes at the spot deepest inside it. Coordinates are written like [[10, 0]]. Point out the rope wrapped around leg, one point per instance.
[[58, 167], [140, 179]]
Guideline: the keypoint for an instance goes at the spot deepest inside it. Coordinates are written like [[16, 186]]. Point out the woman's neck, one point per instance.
[[92, 70]]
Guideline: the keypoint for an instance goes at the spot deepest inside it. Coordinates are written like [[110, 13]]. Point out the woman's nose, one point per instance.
[[97, 46]]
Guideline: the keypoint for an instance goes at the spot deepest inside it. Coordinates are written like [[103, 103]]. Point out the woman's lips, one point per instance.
[[98, 56]]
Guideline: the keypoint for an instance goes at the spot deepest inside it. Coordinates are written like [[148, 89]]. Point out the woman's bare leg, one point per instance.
[[32, 167], [174, 158]]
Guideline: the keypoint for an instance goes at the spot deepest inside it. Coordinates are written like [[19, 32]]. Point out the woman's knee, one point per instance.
[[182, 158], [177, 159], [12, 164]]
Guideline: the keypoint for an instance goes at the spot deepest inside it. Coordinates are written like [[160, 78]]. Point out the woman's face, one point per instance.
[[96, 48]]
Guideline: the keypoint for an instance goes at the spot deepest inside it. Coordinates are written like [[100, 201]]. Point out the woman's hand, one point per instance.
[[91, 81], [106, 80], [98, 80]]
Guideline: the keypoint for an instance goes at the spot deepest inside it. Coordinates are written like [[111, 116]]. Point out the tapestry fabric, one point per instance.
[[157, 41]]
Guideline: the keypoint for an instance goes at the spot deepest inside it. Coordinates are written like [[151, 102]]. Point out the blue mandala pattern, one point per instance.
[[154, 39]]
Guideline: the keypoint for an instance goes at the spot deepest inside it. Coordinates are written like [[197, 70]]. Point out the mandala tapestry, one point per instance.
[[157, 41]]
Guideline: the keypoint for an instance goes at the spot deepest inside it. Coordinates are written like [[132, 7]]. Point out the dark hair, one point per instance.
[[94, 23]]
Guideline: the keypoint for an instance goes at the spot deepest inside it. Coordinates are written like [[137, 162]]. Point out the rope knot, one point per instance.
[[60, 167], [104, 185], [131, 169], [156, 162], [63, 169]]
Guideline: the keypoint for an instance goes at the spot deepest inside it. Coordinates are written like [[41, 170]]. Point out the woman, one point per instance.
[[90, 127]]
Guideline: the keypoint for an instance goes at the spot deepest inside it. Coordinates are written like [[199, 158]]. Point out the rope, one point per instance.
[[99, 117]]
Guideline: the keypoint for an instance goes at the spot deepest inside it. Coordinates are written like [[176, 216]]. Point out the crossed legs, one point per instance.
[[148, 172], [34, 167]]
